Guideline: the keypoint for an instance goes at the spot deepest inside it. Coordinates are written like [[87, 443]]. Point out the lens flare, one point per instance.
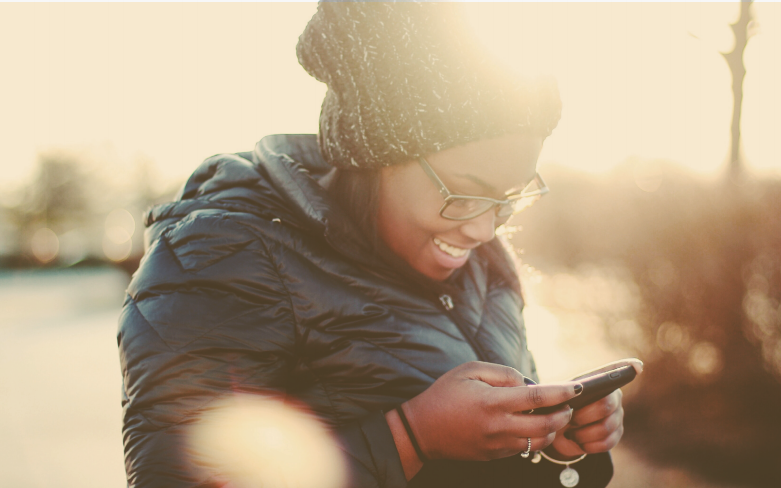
[[255, 441]]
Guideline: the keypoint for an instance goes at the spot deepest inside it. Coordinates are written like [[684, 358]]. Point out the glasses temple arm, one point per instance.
[[430, 172]]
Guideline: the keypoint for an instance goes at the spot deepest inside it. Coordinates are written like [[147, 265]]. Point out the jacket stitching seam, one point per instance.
[[193, 413], [358, 460], [274, 266], [322, 383], [249, 312], [135, 306], [386, 351], [170, 249], [296, 325], [375, 471]]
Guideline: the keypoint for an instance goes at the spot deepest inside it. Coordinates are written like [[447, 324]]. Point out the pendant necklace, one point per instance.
[[568, 477]]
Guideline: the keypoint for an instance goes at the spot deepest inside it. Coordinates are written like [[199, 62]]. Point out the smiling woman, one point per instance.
[[411, 218], [355, 276]]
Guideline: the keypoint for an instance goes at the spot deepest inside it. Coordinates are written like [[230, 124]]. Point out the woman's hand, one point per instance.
[[597, 427], [473, 412]]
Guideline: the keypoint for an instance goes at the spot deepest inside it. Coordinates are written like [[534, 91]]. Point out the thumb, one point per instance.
[[496, 374]]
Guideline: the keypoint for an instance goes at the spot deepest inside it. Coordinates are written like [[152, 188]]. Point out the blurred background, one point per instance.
[[661, 237]]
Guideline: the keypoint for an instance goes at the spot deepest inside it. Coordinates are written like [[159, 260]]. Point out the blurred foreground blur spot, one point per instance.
[[260, 442]]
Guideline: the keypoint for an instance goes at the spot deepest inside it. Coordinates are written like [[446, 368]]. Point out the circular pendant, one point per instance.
[[569, 477]]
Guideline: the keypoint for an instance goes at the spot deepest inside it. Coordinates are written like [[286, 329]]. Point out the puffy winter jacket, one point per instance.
[[253, 281]]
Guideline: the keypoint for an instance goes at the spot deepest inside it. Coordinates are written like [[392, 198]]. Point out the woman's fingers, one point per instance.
[[597, 431], [524, 398], [520, 444], [493, 374], [598, 410], [605, 444], [531, 425]]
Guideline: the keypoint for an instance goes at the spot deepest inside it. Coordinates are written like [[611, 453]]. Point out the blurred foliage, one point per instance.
[[58, 193], [705, 259], [70, 197]]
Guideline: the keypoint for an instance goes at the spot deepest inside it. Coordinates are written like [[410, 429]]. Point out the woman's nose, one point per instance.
[[481, 228]]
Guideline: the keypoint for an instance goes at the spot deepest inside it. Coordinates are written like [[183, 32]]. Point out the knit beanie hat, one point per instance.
[[410, 79]]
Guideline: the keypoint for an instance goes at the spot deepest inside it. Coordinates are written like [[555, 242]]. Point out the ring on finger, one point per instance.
[[528, 450]]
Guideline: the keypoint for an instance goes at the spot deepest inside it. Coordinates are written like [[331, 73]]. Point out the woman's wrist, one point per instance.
[[410, 461]]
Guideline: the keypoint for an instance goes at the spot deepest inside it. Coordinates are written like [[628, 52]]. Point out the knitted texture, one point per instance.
[[410, 79]]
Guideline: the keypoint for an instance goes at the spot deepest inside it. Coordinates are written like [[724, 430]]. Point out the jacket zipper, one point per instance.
[[449, 306]]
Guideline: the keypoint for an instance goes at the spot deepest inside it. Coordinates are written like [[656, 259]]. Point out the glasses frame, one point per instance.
[[497, 204]]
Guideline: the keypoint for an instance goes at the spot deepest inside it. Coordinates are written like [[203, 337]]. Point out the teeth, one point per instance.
[[456, 252]]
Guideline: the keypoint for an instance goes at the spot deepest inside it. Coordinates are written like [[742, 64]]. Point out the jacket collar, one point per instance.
[[293, 165]]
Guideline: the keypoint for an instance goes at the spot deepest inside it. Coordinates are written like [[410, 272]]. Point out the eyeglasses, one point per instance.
[[465, 207]]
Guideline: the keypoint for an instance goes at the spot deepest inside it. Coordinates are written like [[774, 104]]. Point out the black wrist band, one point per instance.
[[411, 436]]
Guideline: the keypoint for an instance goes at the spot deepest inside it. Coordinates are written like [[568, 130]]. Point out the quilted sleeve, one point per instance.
[[371, 453], [205, 316]]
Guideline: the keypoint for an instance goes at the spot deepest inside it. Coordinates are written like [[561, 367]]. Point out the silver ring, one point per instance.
[[528, 450]]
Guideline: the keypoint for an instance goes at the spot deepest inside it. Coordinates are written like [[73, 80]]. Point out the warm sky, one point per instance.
[[178, 82]]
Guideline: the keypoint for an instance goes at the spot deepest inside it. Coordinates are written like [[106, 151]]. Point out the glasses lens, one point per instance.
[[465, 208]]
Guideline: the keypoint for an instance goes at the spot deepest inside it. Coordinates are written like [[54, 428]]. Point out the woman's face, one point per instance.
[[408, 219]]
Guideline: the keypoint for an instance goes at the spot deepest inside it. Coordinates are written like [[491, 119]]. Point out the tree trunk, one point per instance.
[[734, 60]]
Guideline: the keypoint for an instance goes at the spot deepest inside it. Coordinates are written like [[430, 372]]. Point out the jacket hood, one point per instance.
[[277, 180]]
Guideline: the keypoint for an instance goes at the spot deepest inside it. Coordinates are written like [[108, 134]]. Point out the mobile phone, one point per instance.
[[596, 387]]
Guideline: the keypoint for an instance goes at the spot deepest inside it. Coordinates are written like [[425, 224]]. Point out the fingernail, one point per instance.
[[578, 389]]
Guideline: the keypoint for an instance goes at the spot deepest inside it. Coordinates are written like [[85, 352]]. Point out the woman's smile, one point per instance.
[[449, 257], [454, 251]]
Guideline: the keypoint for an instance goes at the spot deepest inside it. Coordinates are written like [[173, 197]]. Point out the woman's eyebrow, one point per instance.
[[479, 181], [489, 187]]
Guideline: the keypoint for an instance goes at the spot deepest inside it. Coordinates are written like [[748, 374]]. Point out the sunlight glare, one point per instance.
[[257, 441]]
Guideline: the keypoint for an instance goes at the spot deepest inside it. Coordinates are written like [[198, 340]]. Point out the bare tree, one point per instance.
[[742, 31]]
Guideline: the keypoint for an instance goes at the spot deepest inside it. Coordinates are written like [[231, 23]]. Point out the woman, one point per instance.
[[358, 273]]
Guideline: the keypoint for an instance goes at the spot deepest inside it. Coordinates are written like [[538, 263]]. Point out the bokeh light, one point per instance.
[[45, 245], [117, 252], [73, 247], [671, 337], [705, 359], [120, 227], [256, 442]]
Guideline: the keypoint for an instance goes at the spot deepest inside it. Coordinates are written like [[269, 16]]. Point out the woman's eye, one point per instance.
[[462, 203]]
